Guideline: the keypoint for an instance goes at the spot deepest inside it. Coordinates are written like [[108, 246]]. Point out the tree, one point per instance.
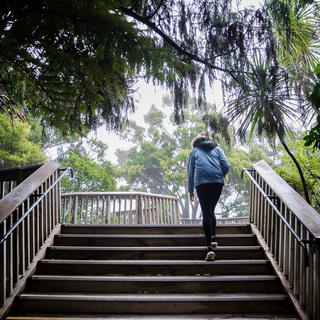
[[310, 160], [90, 171], [266, 105], [158, 161], [74, 63], [17, 147]]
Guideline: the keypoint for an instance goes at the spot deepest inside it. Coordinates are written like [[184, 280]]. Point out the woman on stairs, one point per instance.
[[207, 168]]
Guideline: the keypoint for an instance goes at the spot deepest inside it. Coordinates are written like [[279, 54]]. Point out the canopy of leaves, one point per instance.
[[17, 147], [73, 63]]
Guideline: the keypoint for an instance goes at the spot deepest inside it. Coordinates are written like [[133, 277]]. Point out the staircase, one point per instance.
[[152, 272]]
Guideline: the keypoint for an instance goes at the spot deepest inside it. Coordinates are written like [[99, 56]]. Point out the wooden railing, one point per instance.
[[119, 208], [10, 178], [291, 229], [29, 216]]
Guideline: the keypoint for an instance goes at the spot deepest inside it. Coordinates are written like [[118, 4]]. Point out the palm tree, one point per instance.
[[295, 32], [264, 103]]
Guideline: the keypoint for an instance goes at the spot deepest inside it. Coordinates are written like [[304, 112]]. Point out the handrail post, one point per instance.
[[139, 209]]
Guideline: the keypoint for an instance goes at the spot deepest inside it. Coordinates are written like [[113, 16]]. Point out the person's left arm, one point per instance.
[[225, 166]]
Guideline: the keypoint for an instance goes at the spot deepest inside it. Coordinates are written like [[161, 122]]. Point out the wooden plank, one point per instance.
[[302, 314], [177, 253], [155, 303], [154, 284], [153, 229], [15, 198], [22, 281], [154, 267]]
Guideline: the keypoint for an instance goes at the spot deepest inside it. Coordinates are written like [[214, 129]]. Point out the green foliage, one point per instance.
[[91, 172], [264, 103], [158, 161], [17, 147], [313, 136], [73, 63], [310, 163]]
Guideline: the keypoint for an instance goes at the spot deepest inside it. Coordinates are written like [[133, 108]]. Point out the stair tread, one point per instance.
[[149, 236], [156, 297], [171, 248], [152, 262], [156, 278], [141, 226], [149, 317]]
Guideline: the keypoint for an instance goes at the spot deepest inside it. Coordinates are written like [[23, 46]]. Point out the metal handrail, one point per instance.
[[268, 198], [41, 196]]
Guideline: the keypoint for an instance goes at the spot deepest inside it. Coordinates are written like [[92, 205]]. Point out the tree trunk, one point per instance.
[[306, 194]]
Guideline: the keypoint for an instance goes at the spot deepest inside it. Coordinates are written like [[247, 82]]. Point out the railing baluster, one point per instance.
[[3, 264]]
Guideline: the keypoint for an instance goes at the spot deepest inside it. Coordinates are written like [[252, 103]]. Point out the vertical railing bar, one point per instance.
[[114, 210], [87, 207], [108, 210], [317, 280], [75, 211], [120, 210], [10, 244], [131, 209], [98, 210], [80, 205], [91, 209], [3, 263], [103, 208], [297, 260]]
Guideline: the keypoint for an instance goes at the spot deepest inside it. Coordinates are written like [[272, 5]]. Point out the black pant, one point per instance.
[[209, 194]]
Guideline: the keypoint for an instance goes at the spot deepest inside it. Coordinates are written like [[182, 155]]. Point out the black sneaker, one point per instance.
[[214, 242]]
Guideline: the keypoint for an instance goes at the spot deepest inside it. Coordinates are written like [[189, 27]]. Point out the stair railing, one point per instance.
[[291, 229], [28, 216], [119, 208], [11, 177]]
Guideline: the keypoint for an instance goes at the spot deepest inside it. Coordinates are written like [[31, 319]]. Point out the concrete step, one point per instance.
[[155, 284], [155, 303], [151, 229], [152, 240], [154, 267], [145, 253]]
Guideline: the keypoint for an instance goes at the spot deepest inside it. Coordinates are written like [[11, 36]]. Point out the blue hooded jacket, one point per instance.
[[207, 164]]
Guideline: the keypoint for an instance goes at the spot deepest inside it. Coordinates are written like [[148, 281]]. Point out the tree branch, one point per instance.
[[172, 43]]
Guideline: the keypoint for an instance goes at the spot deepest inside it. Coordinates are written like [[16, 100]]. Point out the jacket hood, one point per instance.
[[204, 144]]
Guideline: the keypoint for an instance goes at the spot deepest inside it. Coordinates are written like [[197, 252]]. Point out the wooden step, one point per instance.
[[154, 267], [151, 229], [155, 303], [155, 284], [33, 316], [152, 240], [145, 253]]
